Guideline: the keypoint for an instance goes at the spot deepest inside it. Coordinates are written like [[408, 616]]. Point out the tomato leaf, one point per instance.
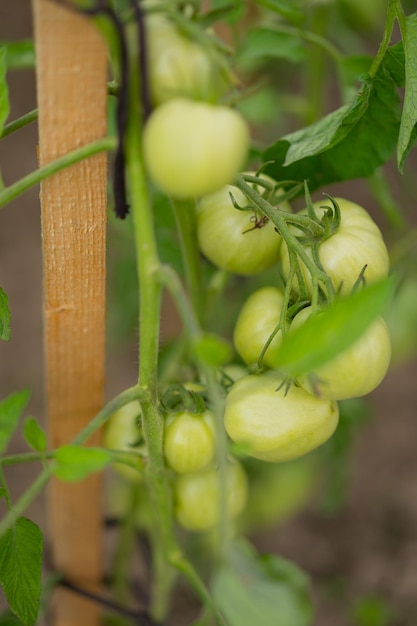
[[322, 337], [4, 93], [286, 8], [4, 312], [20, 569], [265, 591], [20, 55], [34, 435], [265, 43], [408, 128], [350, 142], [10, 411], [8, 619], [76, 462]]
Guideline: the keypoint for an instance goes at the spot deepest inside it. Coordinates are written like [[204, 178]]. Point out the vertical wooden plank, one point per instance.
[[71, 84]]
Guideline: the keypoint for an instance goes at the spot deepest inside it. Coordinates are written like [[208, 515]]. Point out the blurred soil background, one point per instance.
[[362, 560]]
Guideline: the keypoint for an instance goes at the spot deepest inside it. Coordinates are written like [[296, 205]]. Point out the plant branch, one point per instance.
[[16, 189]]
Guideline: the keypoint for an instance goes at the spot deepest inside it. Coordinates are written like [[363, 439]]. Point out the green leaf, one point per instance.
[[4, 92], [286, 8], [325, 335], [266, 591], [351, 142], [10, 411], [74, 463], [408, 128], [4, 312], [20, 569], [20, 55], [262, 44], [34, 435], [8, 619]]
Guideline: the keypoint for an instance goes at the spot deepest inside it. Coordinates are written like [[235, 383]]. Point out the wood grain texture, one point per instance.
[[71, 85]]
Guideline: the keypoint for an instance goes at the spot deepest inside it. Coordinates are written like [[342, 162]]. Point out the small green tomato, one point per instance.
[[193, 148], [257, 319], [355, 372], [122, 432], [189, 441], [197, 497], [243, 242], [357, 243]]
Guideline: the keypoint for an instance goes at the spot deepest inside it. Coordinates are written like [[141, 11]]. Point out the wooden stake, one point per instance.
[[71, 82]]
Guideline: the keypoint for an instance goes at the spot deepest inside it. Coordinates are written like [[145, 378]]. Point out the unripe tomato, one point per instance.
[[356, 371], [189, 441], [357, 242], [122, 432], [257, 319], [177, 65], [274, 425], [197, 497], [242, 242], [193, 148]]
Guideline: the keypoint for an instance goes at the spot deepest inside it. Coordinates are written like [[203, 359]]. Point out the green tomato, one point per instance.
[[189, 441], [197, 497], [242, 242], [193, 148], [275, 425], [355, 372], [357, 242], [178, 66], [257, 319], [122, 432]]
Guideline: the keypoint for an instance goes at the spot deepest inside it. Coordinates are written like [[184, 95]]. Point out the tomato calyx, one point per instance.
[[177, 399]]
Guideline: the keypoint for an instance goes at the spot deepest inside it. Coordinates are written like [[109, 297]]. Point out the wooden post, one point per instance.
[[71, 83]]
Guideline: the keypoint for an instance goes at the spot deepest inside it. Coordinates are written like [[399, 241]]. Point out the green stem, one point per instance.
[[314, 38], [20, 122], [389, 25], [315, 73], [27, 498], [279, 219], [126, 396], [3, 485], [185, 215], [25, 457], [185, 567], [150, 290], [13, 191]]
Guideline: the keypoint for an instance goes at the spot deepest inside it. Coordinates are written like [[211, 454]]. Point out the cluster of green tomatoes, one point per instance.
[[193, 149]]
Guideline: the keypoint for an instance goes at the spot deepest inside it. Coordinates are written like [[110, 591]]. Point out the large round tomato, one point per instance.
[[273, 424], [177, 65], [357, 243], [122, 432], [193, 148], [257, 319], [197, 497], [356, 371], [189, 441], [242, 242]]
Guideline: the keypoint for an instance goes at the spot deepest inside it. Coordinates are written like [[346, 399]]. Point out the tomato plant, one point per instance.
[[257, 326]]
